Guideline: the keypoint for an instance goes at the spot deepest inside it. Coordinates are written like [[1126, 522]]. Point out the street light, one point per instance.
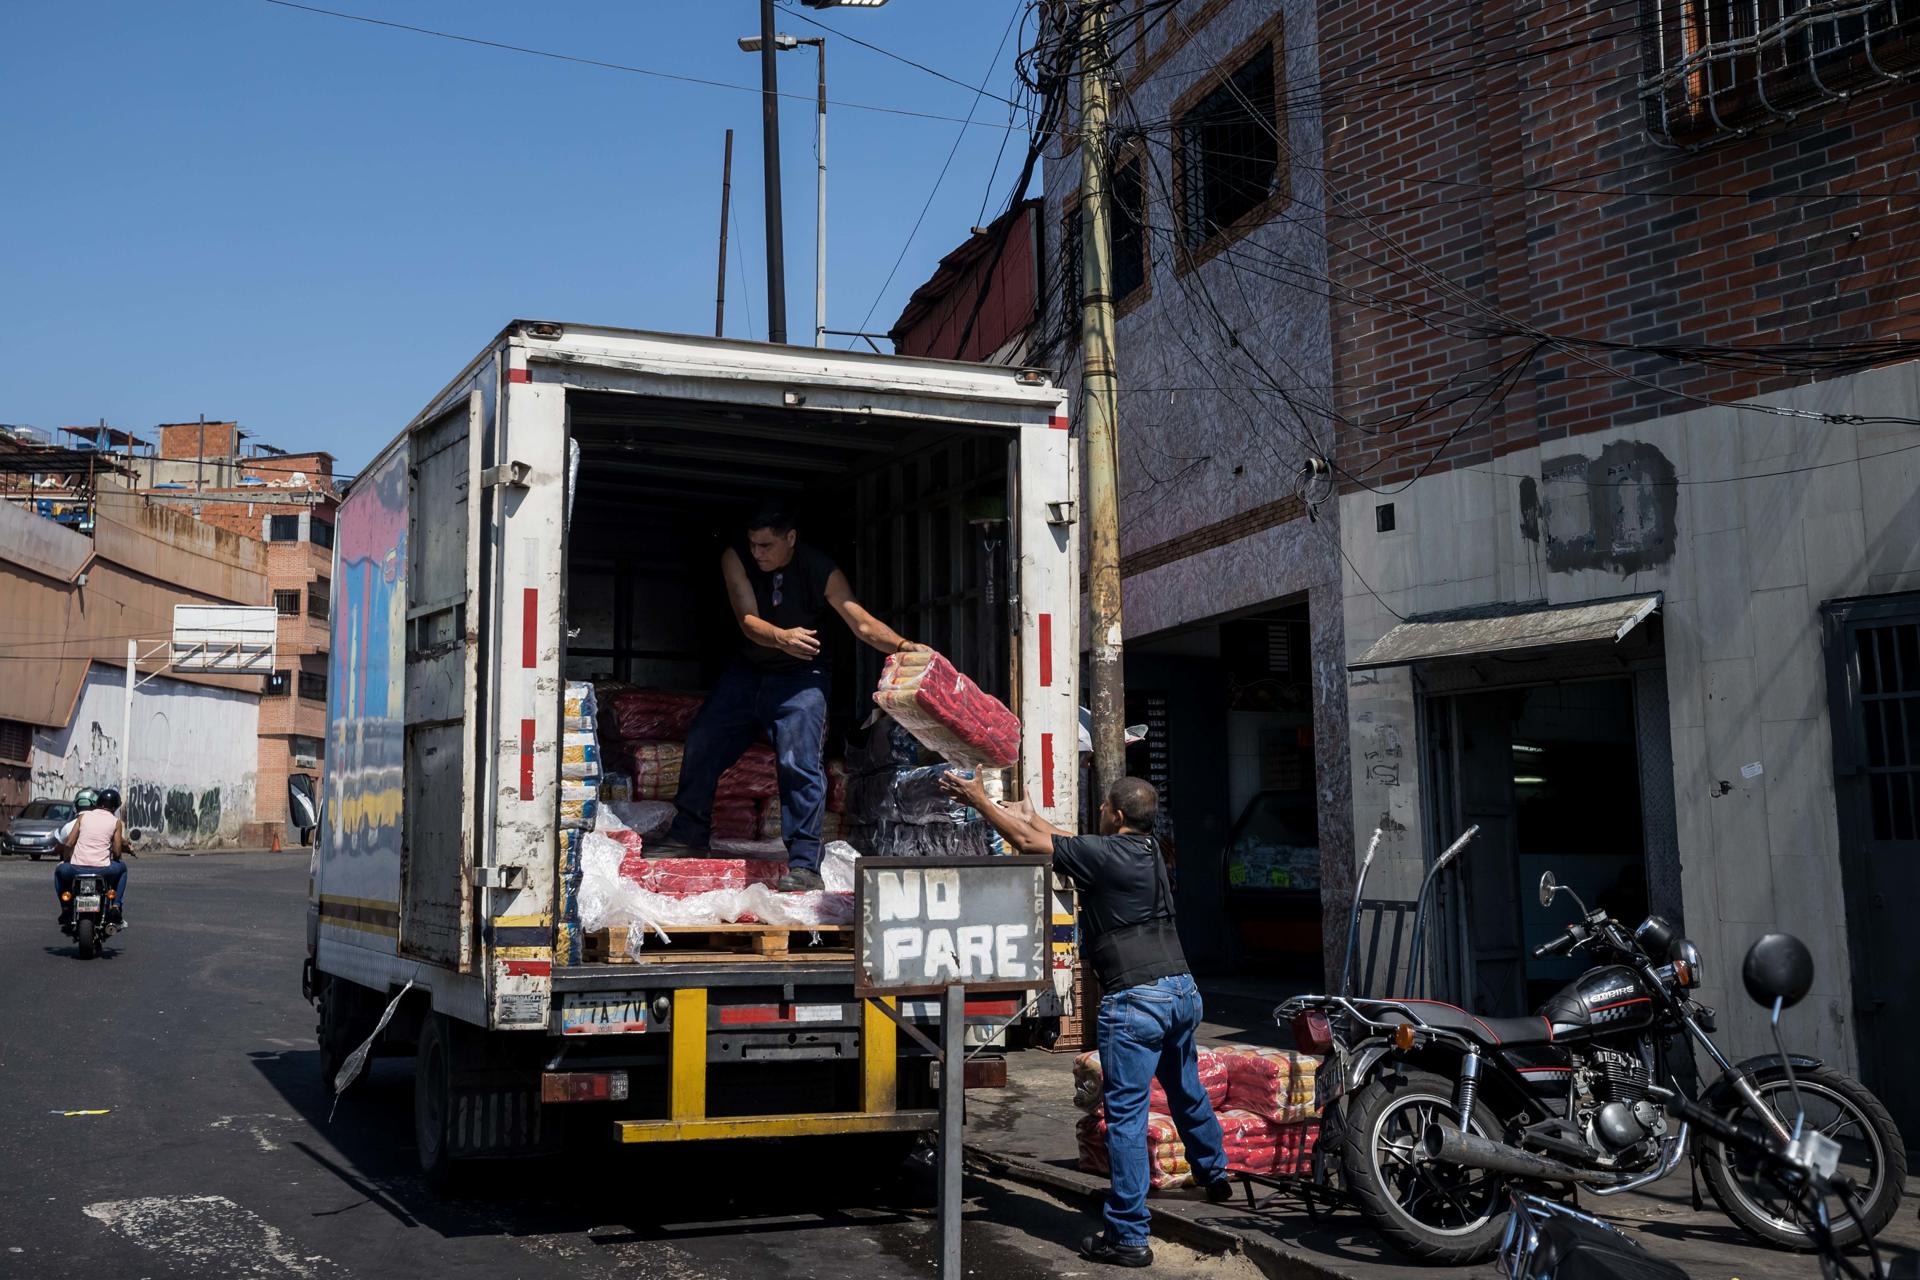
[[769, 45], [783, 43]]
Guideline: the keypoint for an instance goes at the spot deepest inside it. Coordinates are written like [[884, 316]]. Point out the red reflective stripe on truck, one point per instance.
[[519, 375], [739, 1014], [1059, 422], [1046, 651], [527, 968], [992, 1008], [526, 759], [530, 627], [1046, 770]]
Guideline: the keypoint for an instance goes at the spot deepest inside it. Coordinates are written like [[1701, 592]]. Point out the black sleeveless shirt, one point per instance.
[[793, 596]]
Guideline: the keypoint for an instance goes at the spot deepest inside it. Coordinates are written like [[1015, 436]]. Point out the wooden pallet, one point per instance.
[[723, 942]]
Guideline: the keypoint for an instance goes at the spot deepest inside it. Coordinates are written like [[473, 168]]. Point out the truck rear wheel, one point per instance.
[[343, 1024], [433, 1103]]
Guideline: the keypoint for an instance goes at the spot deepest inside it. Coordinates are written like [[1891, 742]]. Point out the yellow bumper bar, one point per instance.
[[800, 1126]]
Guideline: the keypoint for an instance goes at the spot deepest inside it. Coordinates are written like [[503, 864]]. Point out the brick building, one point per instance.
[[1628, 447], [286, 501]]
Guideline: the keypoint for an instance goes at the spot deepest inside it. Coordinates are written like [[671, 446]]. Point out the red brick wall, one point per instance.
[[184, 439], [1444, 123], [279, 467]]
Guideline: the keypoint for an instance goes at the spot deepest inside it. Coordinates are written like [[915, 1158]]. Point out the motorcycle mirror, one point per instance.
[[1778, 967], [1548, 887]]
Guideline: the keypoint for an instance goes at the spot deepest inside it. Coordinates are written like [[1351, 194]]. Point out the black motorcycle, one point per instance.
[[1546, 1239], [95, 914], [1434, 1116]]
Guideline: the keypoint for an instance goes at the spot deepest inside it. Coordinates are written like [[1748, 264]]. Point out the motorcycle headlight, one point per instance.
[[1685, 958], [1655, 937]]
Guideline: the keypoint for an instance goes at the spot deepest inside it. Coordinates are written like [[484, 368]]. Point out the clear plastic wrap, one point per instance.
[[609, 900]]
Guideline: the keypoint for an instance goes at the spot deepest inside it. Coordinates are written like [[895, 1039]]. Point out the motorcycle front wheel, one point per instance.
[[1872, 1152], [1426, 1209]]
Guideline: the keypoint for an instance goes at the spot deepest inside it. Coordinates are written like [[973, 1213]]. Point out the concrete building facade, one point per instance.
[[72, 603], [1231, 595]]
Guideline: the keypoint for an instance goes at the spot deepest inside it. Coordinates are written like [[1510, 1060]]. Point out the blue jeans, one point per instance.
[[114, 873], [791, 707], [1146, 1032]]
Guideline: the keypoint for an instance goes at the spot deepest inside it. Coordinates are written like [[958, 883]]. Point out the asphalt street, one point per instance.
[[218, 1154]]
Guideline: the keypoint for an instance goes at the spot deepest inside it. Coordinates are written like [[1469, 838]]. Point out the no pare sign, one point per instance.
[[926, 924]]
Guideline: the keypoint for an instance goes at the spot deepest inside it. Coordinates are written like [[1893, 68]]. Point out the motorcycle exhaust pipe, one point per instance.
[[1444, 1142]]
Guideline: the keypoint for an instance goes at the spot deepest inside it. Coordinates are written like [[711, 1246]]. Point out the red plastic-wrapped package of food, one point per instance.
[[1088, 1082], [685, 877], [649, 715], [753, 774], [1167, 1157], [736, 819], [947, 712]]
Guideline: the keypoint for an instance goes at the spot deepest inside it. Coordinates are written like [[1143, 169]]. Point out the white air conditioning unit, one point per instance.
[[306, 762]]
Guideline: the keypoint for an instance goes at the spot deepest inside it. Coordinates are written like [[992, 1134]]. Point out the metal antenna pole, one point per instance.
[[770, 163], [726, 205]]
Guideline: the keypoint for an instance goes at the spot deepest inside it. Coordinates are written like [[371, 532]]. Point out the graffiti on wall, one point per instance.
[[1614, 511], [366, 705]]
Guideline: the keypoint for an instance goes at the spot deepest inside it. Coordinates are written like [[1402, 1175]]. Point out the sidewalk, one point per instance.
[[1026, 1132]]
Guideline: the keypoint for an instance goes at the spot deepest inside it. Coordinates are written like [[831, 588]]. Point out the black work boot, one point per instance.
[[1219, 1191], [1098, 1248], [800, 880]]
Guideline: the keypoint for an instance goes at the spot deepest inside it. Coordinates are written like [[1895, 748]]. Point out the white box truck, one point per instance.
[[557, 513]]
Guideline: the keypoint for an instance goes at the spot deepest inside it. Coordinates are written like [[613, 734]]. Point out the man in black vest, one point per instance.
[[782, 591], [1150, 1009]]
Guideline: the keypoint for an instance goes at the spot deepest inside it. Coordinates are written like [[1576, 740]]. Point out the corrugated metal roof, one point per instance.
[[1505, 628]]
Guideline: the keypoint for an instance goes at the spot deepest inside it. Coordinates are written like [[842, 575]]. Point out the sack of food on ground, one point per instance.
[[655, 767], [1277, 1083], [1089, 1082], [1166, 1155], [947, 712], [649, 715]]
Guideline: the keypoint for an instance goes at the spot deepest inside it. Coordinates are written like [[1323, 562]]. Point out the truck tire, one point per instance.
[[433, 1105], [347, 1014]]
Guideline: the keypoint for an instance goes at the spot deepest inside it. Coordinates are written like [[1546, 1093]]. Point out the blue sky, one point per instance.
[[235, 208]]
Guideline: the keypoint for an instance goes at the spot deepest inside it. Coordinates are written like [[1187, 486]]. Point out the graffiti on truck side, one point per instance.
[[366, 702]]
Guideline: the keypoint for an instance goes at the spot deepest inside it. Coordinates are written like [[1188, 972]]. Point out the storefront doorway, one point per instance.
[[1556, 776]]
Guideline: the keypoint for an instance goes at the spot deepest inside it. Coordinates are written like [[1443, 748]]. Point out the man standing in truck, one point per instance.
[[782, 591]]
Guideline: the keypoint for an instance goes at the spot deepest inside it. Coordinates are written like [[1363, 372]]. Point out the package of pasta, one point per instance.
[[580, 756], [581, 708], [655, 768], [946, 712]]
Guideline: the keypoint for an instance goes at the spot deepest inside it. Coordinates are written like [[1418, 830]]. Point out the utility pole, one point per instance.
[[1099, 392], [770, 163], [126, 721], [726, 204], [820, 201]]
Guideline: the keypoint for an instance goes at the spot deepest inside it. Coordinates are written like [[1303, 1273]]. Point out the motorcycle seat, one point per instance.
[[1505, 1033]]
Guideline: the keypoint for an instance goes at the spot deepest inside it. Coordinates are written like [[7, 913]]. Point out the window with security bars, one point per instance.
[[1228, 166], [278, 684], [1889, 702], [283, 528], [313, 684], [16, 740], [1724, 68], [287, 603], [317, 599]]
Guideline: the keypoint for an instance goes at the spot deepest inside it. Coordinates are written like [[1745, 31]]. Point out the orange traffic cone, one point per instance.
[[275, 846]]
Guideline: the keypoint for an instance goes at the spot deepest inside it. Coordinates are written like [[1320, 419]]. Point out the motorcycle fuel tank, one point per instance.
[[1610, 998]]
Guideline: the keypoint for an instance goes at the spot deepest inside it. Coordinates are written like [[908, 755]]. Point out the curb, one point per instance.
[[218, 853], [1273, 1260]]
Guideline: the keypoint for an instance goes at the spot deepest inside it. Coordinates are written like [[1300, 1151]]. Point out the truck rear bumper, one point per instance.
[[796, 1126]]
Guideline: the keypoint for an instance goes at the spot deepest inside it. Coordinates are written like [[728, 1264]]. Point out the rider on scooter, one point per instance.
[[95, 840]]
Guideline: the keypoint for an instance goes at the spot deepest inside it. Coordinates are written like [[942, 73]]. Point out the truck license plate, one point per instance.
[[609, 1013]]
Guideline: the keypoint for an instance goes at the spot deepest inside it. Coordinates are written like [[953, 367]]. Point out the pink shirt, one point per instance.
[[93, 838]]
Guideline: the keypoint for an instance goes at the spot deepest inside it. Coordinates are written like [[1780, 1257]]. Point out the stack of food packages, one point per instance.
[[645, 731], [1266, 1101], [579, 808], [948, 713], [895, 805]]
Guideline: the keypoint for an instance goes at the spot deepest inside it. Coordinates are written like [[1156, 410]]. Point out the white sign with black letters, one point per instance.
[[930, 923]]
